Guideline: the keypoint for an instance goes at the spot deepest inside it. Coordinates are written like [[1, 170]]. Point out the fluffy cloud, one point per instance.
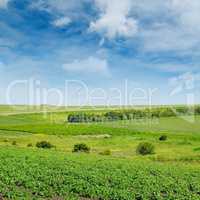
[[173, 25], [3, 3], [63, 21], [90, 64], [166, 37], [114, 19], [188, 13]]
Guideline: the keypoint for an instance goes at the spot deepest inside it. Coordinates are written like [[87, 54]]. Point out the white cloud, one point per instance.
[[166, 37], [57, 6], [174, 67], [90, 64], [170, 25], [63, 21], [188, 13], [114, 19], [3, 3], [173, 25]]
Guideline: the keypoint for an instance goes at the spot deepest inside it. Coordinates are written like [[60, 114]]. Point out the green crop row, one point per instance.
[[35, 174]]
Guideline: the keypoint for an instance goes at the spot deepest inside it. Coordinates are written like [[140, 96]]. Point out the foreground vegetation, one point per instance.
[[41, 157], [28, 174]]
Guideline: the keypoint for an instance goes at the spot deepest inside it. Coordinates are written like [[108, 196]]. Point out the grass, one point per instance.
[[183, 136], [55, 123], [41, 174], [176, 147], [29, 173]]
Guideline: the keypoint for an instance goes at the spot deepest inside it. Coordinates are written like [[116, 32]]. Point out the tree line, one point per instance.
[[132, 114]]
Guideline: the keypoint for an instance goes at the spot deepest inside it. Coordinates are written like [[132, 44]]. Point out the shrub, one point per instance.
[[14, 143], [145, 148], [29, 145], [106, 152], [44, 145], [163, 138], [197, 149], [81, 148]]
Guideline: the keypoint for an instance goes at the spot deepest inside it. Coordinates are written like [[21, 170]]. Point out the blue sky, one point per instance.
[[103, 43]]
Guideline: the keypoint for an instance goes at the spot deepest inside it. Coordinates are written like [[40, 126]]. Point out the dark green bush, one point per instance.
[[29, 145], [81, 148], [14, 143], [197, 110], [105, 153], [145, 148], [44, 145], [163, 138]]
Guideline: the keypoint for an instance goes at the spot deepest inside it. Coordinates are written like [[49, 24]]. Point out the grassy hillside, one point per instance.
[[183, 137], [26, 172], [55, 123]]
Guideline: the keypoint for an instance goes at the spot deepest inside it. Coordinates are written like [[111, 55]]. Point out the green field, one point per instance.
[[172, 172]]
